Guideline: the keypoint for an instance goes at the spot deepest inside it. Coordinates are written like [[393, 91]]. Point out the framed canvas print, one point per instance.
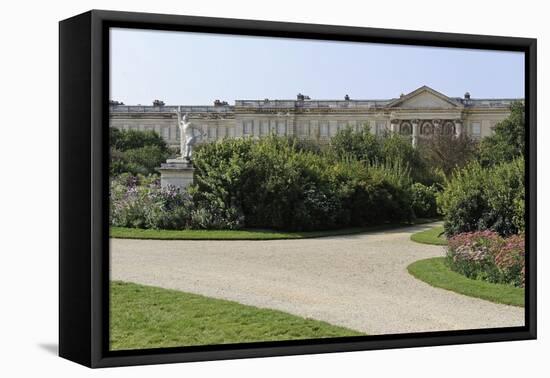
[[235, 188]]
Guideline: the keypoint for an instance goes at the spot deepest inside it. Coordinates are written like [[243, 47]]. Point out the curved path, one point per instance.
[[356, 281]]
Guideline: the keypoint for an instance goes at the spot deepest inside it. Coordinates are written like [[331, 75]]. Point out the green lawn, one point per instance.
[[150, 317], [434, 272], [248, 234], [434, 235]]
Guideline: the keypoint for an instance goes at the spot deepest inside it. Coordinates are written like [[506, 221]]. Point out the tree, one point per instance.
[[360, 145], [398, 149], [136, 152], [447, 152], [130, 139], [508, 141]]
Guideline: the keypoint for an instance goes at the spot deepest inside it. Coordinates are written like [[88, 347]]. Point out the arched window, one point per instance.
[[448, 128], [406, 128], [427, 128]]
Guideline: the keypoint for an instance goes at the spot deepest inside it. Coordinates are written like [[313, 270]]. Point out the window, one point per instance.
[[166, 132], [476, 129], [303, 130], [264, 128], [448, 128], [323, 129], [281, 127], [211, 132], [380, 127], [427, 129], [406, 128], [248, 127], [342, 125], [333, 129]]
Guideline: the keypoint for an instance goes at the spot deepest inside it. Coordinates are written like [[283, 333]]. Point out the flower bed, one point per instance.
[[140, 202], [485, 255]]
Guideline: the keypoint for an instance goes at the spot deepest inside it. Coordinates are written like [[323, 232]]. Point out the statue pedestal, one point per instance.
[[176, 172]]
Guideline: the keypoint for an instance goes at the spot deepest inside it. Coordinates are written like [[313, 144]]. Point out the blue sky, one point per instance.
[[190, 68]]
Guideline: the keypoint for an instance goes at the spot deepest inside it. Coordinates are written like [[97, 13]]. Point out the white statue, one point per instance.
[[188, 137]]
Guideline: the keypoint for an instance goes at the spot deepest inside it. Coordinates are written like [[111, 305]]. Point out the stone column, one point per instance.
[[415, 132], [394, 123], [458, 128], [437, 124]]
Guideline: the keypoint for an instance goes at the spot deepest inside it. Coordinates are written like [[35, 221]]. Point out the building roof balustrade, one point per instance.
[[285, 104], [170, 109]]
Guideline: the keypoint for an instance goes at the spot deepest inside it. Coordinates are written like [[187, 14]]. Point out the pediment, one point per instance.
[[425, 98]]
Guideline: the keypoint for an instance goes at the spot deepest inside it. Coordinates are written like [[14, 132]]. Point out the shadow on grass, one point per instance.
[[254, 234]]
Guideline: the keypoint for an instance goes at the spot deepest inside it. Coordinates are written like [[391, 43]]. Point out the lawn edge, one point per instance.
[[414, 238], [440, 286], [227, 302]]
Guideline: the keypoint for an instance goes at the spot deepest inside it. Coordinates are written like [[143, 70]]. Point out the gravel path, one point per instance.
[[356, 281]]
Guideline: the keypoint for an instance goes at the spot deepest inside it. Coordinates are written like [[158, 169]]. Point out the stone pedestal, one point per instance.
[[176, 172]]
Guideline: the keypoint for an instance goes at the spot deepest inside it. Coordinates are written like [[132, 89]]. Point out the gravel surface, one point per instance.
[[356, 281]]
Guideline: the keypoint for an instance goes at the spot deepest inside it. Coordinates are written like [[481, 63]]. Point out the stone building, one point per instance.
[[418, 114]]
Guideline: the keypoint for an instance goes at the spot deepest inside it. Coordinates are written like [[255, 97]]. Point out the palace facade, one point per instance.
[[418, 114]]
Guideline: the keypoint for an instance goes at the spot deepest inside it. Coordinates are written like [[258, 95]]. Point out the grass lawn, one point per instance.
[[434, 272], [151, 317], [432, 236], [249, 234]]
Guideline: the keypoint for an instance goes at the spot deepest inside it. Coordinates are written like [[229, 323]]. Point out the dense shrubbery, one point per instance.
[[478, 198], [487, 256], [484, 207], [358, 179], [508, 141], [140, 202], [136, 152], [424, 203], [396, 147], [277, 184], [360, 145], [392, 148]]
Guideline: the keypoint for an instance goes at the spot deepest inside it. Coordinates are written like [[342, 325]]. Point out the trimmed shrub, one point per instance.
[[478, 198], [485, 255]]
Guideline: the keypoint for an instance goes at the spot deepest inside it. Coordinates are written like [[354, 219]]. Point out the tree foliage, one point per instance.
[[447, 152], [508, 140], [136, 152], [360, 145], [492, 198]]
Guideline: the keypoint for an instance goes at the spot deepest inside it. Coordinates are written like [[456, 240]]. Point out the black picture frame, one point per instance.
[[83, 181]]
